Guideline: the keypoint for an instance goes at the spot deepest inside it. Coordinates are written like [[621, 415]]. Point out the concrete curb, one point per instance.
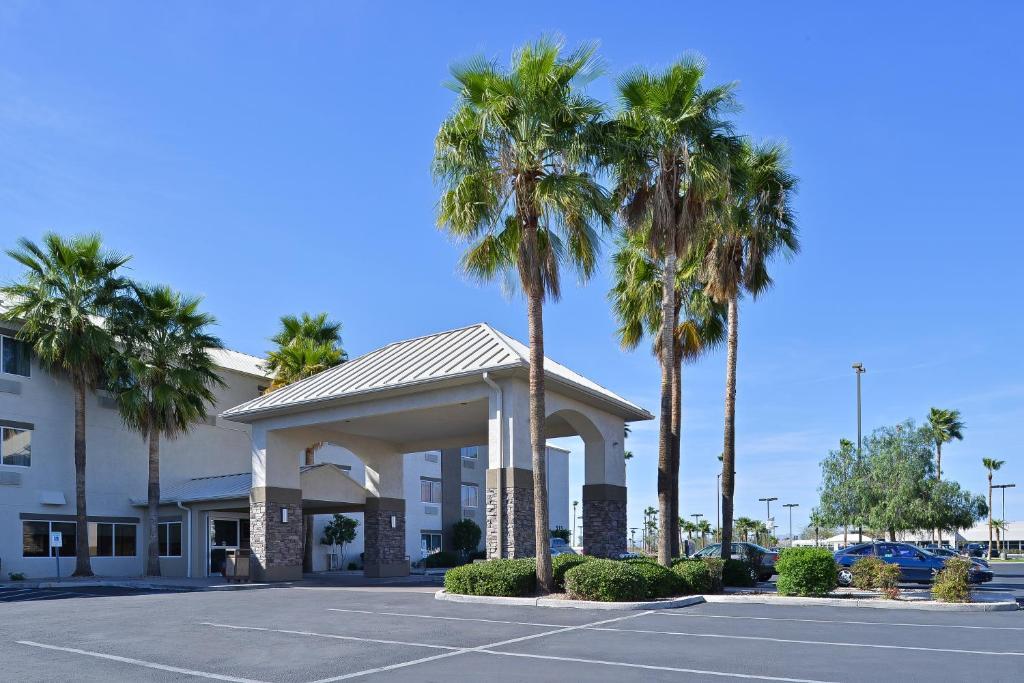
[[670, 603], [142, 585]]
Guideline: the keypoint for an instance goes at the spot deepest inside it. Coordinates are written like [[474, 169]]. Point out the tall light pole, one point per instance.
[[696, 520], [768, 502], [718, 507], [791, 506], [574, 504], [859, 369], [1004, 487]]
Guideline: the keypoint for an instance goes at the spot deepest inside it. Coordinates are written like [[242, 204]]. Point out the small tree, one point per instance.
[[466, 536], [562, 533], [340, 531]]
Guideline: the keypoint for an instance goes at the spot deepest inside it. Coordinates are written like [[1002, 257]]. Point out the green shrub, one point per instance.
[[739, 574], [887, 580], [806, 571], [465, 536], [442, 558], [607, 581], [16, 576], [562, 533], [661, 582], [716, 567], [695, 575], [560, 564], [953, 583], [352, 566], [865, 572], [509, 578]]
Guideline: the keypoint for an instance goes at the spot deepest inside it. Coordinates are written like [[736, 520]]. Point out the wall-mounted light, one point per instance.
[[394, 521], [284, 515]]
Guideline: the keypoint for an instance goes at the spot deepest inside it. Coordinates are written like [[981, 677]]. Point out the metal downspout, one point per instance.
[[501, 464], [188, 553]]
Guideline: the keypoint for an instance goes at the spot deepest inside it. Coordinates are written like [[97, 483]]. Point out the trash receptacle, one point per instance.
[[236, 565]]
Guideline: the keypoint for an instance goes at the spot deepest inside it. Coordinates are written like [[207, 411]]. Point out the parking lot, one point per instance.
[[323, 634]]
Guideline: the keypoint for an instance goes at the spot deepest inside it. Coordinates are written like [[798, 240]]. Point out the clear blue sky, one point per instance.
[[276, 160]]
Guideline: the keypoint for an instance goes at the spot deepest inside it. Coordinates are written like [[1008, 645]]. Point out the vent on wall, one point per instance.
[[431, 510], [468, 464], [10, 479], [9, 386]]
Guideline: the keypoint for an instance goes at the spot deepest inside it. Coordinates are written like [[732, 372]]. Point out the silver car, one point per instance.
[[559, 546]]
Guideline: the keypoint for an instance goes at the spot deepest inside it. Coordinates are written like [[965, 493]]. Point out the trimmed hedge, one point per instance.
[[865, 572], [716, 567], [953, 584], [508, 578], [739, 574], [806, 571], [695, 575], [661, 582], [607, 581], [560, 564]]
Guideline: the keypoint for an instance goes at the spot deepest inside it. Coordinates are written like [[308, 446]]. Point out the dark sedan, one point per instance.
[[750, 552], [916, 565]]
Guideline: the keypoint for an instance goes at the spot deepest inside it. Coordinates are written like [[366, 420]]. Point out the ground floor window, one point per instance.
[[225, 535], [108, 539], [35, 538], [169, 534], [430, 542]]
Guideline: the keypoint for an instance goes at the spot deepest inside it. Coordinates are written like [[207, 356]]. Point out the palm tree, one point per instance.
[[999, 525], [755, 223], [304, 346], [700, 326], [68, 285], [671, 143], [163, 378], [991, 464], [516, 160], [945, 425], [650, 526], [743, 525], [704, 527]]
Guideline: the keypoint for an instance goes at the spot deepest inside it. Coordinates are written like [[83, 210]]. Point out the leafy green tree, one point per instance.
[[562, 533], [340, 531], [992, 465], [672, 149], [68, 286], [840, 489], [753, 224], [950, 507], [516, 163], [162, 378], [466, 536], [898, 462]]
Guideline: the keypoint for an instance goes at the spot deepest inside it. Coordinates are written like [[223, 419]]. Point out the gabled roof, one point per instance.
[[240, 362], [447, 355]]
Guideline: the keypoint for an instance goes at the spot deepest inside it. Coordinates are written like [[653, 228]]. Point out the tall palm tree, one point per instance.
[[68, 285], [671, 142], [515, 161], [945, 425], [704, 527], [700, 326], [754, 223], [304, 346], [163, 378], [990, 464]]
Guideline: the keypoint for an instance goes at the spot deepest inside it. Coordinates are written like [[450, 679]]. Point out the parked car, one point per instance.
[[916, 564], [975, 550], [949, 552], [751, 552], [559, 546]]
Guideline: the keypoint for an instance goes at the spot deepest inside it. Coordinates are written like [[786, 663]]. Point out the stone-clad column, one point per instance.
[[384, 538], [604, 520], [276, 544], [516, 521]]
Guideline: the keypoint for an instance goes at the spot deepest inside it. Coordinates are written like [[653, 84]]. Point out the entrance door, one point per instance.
[[225, 534]]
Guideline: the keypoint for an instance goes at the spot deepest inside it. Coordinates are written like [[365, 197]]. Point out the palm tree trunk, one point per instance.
[[729, 441], [153, 552], [83, 567], [677, 419], [307, 523], [665, 440], [541, 529], [938, 477]]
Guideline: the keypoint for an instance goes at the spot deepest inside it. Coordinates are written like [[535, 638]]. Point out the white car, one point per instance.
[[559, 546]]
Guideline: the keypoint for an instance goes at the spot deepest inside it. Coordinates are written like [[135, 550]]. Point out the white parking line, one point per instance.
[[6, 594], [48, 594], [666, 613], [329, 635], [811, 642], [138, 662], [651, 667], [431, 616]]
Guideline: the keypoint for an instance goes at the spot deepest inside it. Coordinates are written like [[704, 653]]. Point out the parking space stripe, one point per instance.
[[652, 667], [139, 662], [431, 616], [330, 635], [48, 594], [666, 613], [811, 642]]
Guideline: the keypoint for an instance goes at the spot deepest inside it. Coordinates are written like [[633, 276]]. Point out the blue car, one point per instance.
[[916, 565]]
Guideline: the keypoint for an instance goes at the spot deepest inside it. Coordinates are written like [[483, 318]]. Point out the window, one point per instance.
[[14, 356], [169, 535], [470, 452], [15, 447], [430, 542], [430, 490], [35, 538], [432, 456], [470, 495], [107, 539]]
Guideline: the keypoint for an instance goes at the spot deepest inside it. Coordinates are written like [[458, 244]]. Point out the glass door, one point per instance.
[[225, 534]]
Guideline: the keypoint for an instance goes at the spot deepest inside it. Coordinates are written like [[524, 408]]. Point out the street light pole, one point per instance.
[[1004, 487], [859, 369], [791, 506], [768, 502], [574, 504], [718, 507]]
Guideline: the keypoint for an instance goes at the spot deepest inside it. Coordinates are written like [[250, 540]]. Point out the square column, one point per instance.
[[604, 520], [384, 538], [275, 506], [510, 491]]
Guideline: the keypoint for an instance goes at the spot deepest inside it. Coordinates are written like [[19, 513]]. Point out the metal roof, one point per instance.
[[222, 487], [465, 351]]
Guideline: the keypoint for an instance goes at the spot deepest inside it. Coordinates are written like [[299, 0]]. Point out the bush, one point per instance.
[[607, 581], [806, 571], [442, 558], [865, 572], [16, 576], [466, 535], [695, 575], [560, 564], [887, 580], [478, 555], [739, 574], [661, 582], [352, 566], [716, 567], [953, 583], [509, 578]]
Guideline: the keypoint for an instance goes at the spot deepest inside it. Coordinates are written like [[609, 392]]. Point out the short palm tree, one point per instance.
[[304, 346], [992, 465], [700, 326], [704, 528], [999, 526], [516, 161], [68, 286], [754, 223], [163, 378], [671, 144]]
